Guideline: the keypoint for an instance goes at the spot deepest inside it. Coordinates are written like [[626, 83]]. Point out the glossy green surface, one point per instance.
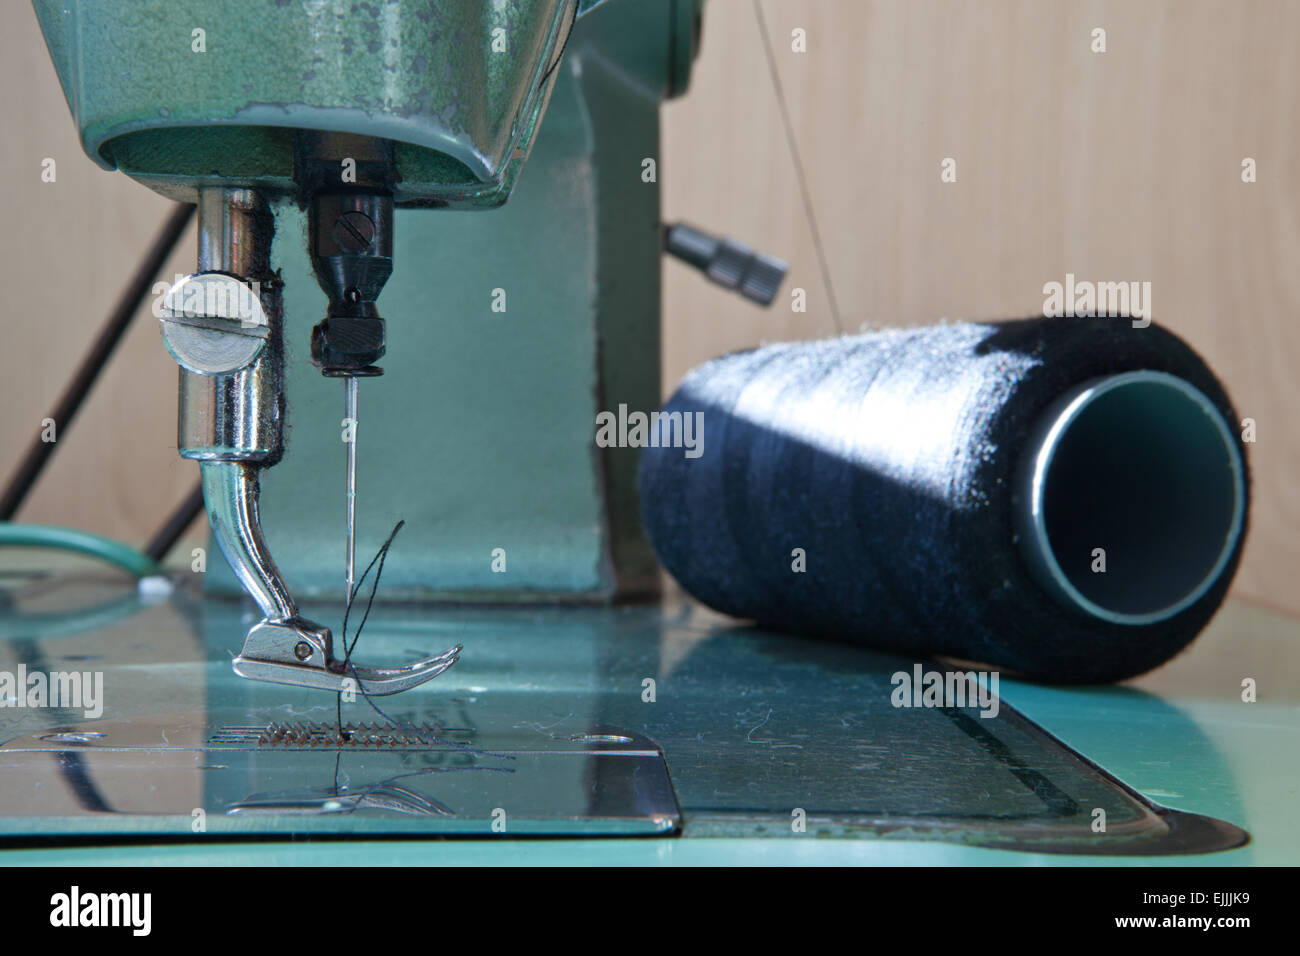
[[750, 723]]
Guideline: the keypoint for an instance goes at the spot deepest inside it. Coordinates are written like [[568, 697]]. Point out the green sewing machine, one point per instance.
[[453, 208]]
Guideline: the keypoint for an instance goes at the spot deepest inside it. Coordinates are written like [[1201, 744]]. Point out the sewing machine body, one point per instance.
[[568, 714]]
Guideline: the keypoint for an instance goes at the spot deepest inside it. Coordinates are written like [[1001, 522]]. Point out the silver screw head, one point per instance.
[[213, 323]]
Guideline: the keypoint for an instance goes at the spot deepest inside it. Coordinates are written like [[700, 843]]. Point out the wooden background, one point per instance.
[[1117, 166]]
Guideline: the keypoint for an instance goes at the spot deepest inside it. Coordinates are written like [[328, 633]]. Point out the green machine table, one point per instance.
[[656, 733]]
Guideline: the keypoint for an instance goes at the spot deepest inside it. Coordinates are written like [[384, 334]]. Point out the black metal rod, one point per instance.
[[38, 454], [175, 525]]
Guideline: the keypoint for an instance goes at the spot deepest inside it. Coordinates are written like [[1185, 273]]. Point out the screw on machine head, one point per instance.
[[354, 231]]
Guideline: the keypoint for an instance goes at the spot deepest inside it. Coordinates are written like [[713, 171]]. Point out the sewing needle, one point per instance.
[[350, 416]]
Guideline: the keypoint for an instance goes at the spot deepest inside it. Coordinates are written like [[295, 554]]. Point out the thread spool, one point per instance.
[[1062, 498]]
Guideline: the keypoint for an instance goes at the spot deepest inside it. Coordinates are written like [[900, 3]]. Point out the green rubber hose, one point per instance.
[[82, 542]]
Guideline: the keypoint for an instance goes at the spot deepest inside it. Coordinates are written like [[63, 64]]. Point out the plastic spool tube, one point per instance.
[[1088, 452]]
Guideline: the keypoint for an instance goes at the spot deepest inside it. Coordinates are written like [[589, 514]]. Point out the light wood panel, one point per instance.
[[66, 251]]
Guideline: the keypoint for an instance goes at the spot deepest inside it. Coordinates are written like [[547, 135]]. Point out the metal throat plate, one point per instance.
[[218, 773]]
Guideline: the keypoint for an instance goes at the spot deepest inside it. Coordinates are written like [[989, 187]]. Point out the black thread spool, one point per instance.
[[949, 486]]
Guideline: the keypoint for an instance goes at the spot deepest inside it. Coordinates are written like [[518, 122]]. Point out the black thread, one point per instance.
[[380, 557], [564, 45], [891, 458], [792, 144]]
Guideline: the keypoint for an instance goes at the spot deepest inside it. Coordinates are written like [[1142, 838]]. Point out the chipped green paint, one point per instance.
[[462, 85]]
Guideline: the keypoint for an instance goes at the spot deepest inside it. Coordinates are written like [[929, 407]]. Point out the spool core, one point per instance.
[[1137, 474]]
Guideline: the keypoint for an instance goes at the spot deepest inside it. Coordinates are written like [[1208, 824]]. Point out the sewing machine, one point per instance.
[[359, 121], [453, 208]]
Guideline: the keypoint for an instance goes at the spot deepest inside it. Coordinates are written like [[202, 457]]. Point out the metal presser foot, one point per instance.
[[299, 652], [223, 327], [286, 648]]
